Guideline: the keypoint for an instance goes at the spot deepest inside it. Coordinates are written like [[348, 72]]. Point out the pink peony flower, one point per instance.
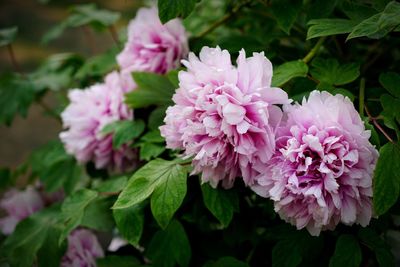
[[83, 250], [322, 171], [152, 46], [224, 116], [87, 114], [18, 205]]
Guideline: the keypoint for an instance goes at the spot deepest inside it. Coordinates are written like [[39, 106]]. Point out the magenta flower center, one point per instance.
[[316, 159]]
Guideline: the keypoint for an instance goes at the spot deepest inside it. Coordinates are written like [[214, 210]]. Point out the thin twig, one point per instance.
[[375, 122], [314, 50], [361, 97], [49, 110], [89, 39], [13, 59], [312, 79], [222, 20], [338, 47], [114, 35]]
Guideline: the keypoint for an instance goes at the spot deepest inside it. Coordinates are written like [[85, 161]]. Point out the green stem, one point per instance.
[[222, 20], [361, 97], [314, 50]]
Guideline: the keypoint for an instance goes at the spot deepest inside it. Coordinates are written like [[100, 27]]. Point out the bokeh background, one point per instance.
[[34, 18]]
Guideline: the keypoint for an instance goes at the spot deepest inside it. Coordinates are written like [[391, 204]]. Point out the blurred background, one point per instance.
[[34, 18]]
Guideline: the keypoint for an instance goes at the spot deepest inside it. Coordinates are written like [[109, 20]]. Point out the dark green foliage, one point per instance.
[[387, 178], [170, 9], [347, 252], [170, 247]]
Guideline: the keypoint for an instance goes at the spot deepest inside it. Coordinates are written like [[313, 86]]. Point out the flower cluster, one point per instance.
[[151, 47], [83, 250], [313, 160], [87, 114], [321, 173], [19, 205], [225, 116]]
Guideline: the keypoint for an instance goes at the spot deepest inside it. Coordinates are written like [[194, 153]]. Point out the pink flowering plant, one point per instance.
[[211, 133]]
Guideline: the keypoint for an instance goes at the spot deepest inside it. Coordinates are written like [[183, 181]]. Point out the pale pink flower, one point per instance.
[[83, 250], [322, 171], [152, 46], [224, 116], [87, 114], [19, 205]]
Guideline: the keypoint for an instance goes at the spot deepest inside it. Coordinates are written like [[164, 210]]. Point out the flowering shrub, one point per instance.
[[175, 155]]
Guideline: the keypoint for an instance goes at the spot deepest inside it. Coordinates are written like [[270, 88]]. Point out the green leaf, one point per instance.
[[56, 72], [321, 9], [112, 185], [55, 32], [22, 246], [220, 202], [330, 72], [98, 65], [374, 242], [151, 145], [73, 210], [170, 247], [391, 82], [89, 13], [7, 35], [156, 118], [386, 178], [173, 77], [55, 167], [302, 246], [164, 180], [143, 183], [343, 92], [357, 11], [170, 9], [169, 195], [327, 27], [50, 254], [6, 179], [153, 89], [124, 131], [286, 12], [227, 261], [85, 14], [281, 257], [150, 151], [26, 240], [289, 70], [374, 135], [152, 137], [380, 24], [16, 95], [130, 222], [118, 261], [347, 252], [391, 111], [98, 215]]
